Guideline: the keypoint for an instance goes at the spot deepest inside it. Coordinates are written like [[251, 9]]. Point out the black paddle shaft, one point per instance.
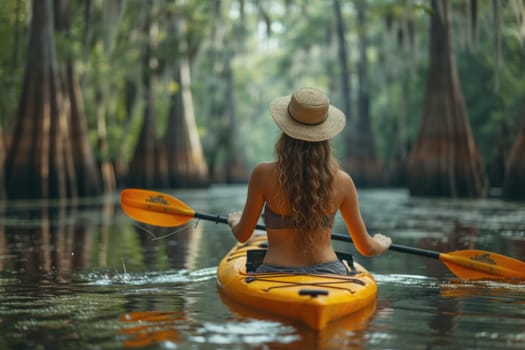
[[220, 219], [395, 247], [337, 236]]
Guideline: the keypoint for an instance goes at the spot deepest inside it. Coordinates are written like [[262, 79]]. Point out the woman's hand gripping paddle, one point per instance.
[[160, 209]]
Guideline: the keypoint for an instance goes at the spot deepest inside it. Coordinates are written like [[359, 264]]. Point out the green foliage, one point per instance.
[[279, 46], [13, 19], [495, 115]]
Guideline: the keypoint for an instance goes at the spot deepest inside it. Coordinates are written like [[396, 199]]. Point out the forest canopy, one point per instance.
[[171, 66]]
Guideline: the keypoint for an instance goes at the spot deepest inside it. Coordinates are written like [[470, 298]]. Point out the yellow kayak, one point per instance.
[[313, 299]]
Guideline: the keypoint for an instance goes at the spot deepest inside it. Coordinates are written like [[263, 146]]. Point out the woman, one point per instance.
[[302, 191]]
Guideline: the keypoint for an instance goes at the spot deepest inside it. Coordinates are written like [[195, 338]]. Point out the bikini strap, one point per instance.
[[273, 220]]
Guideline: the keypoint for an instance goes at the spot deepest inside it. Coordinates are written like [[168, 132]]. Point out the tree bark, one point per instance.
[[502, 147], [107, 170], [2, 167], [85, 167], [362, 162], [121, 165], [111, 18], [112, 12], [38, 159], [88, 180], [148, 167], [445, 160], [186, 163], [234, 166], [514, 185], [226, 160]]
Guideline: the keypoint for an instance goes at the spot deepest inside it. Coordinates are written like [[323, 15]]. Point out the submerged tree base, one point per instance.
[[445, 160]]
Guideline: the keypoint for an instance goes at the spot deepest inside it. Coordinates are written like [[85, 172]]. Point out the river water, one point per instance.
[[85, 276]]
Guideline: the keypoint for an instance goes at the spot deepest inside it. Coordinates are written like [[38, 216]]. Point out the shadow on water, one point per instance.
[[84, 275]]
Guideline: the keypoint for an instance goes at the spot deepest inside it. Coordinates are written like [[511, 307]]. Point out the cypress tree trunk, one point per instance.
[[187, 166], [2, 166], [121, 165], [86, 169], [234, 166], [445, 160], [186, 163], [3, 240], [226, 161], [148, 167], [362, 162], [514, 185], [38, 163], [107, 170]]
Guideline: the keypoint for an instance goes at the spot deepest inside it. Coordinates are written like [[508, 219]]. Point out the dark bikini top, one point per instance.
[[273, 220]]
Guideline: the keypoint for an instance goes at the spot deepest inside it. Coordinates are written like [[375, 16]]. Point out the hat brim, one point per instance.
[[334, 123]]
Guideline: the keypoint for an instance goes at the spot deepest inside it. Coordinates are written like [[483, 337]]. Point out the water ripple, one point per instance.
[[148, 278], [407, 280]]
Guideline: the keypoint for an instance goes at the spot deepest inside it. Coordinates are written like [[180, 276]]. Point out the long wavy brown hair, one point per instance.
[[306, 174]]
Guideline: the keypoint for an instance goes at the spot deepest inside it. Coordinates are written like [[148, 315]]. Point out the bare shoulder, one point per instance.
[[344, 179], [264, 170], [345, 184], [265, 166]]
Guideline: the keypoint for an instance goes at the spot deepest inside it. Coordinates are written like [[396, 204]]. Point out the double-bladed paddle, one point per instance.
[[161, 209]]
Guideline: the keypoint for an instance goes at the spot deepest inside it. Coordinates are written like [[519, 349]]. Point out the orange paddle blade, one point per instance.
[[155, 208], [479, 264]]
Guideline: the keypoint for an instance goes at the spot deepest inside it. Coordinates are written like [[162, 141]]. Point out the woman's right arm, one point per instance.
[[364, 243]]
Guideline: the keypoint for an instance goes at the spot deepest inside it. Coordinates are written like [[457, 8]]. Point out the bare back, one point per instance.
[[284, 249], [285, 244]]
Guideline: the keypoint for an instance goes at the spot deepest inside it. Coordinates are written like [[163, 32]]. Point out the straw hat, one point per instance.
[[307, 115]]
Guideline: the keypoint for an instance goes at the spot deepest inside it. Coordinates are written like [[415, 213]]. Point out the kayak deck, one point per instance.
[[313, 299]]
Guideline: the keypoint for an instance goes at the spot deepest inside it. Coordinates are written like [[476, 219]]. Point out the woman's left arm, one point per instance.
[[243, 224]]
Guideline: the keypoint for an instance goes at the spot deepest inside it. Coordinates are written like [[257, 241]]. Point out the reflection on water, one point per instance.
[[151, 327], [150, 278], [252, 332], [86, 276], [454, 314]]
